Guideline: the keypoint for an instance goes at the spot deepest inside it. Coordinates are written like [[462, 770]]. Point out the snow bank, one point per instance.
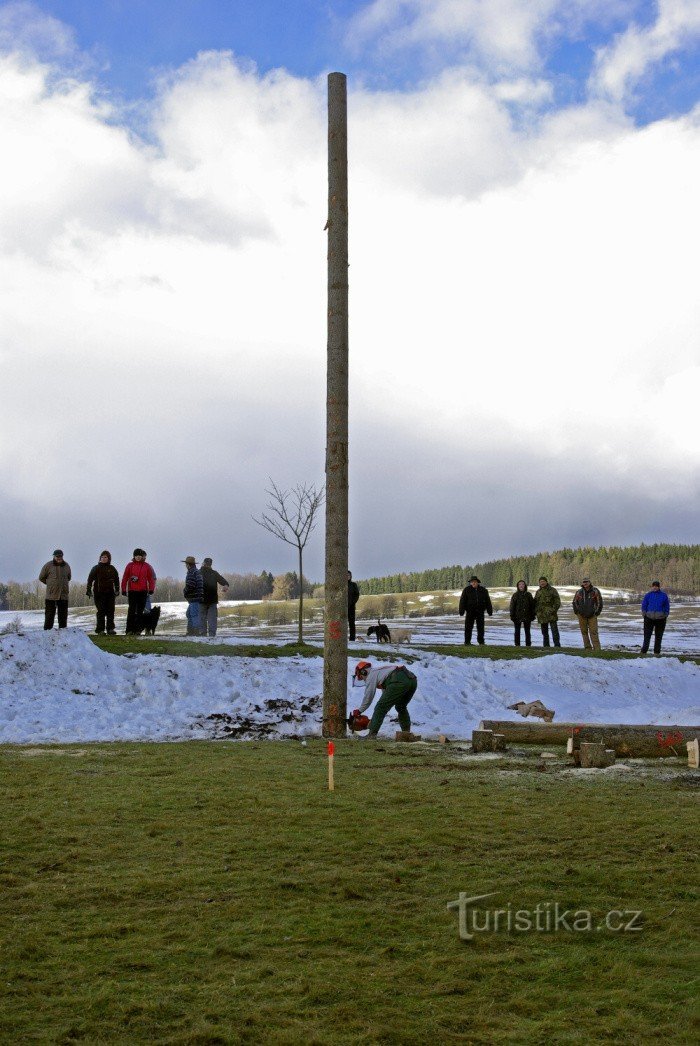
[[59, 687]]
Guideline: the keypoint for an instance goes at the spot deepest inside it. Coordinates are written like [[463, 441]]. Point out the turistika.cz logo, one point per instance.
[[545, 917]]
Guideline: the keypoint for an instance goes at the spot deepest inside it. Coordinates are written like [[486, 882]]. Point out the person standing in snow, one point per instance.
[[656, 606], [138, 584], [397, 686], [353, 596], [56, 576], [211, 580], [194, 594], [587, 605], [522, 612], [103, 583], [475, 601], [547, 603]]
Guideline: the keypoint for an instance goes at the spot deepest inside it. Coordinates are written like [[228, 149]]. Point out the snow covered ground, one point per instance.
[[59, 687], [620, 624]]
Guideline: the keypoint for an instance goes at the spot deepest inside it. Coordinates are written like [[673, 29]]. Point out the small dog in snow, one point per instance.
[[380, 631]]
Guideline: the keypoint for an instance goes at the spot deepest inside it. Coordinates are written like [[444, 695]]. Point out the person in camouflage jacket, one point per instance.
[[547, 603]]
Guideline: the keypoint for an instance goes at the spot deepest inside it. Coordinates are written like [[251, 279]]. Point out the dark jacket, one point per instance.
[[588, 604], [211, 579], [547, 602], [475, 600], [103, 580], [353, 594], [522, 606], [194, 586]]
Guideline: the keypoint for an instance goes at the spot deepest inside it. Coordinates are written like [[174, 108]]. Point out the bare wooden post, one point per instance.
[[335, 644]]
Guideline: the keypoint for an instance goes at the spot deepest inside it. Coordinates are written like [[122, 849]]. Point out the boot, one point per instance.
[[406, 735]]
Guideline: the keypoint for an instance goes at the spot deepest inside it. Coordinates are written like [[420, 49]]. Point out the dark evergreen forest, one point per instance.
[[677, 567]]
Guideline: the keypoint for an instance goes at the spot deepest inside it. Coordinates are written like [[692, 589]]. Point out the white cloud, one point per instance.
[[516, 297], [502, 36], [621, 64]]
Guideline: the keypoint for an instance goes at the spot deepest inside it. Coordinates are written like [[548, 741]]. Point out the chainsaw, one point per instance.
[[357, 721]]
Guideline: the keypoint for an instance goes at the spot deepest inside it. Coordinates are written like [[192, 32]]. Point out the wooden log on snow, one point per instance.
[[536, 733], [637, 742]]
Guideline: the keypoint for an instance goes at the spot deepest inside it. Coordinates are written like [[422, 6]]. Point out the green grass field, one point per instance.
[[218, 893], [220, 648]]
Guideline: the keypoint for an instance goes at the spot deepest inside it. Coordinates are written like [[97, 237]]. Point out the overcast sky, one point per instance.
[[525, 365]]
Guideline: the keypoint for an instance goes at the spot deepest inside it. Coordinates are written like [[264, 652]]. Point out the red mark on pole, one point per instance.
[[334, 630], [331, 748]]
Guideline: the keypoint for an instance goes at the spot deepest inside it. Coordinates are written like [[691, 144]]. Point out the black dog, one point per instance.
[[150, 621], [380, 631]]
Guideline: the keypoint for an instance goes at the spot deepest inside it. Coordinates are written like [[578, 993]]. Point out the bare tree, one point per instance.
[[291, 515]]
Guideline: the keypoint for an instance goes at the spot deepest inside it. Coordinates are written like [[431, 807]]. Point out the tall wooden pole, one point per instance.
[[335, 645]]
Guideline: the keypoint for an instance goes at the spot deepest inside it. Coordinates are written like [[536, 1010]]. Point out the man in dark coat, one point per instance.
[[103, 583], [353, 596], [211, 579], [587, 605], [474, 602], [522, 612], [194, 594], [56, 576]]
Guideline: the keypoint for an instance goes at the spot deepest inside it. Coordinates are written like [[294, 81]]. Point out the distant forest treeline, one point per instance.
[[676, 566]]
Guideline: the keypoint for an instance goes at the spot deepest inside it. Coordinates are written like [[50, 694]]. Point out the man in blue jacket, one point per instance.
[[656, 607]]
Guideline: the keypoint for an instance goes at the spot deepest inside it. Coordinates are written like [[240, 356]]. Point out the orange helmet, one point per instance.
[[362, 669]]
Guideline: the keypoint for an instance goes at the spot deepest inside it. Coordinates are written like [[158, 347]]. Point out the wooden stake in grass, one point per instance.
[[331, 756]]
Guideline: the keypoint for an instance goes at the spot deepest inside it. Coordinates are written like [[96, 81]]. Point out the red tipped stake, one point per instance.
[[331, 753]]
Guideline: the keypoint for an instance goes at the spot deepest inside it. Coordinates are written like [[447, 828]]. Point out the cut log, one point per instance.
[[641, 742], [693, 754], [595, 756], [482, 740], [536, 733]]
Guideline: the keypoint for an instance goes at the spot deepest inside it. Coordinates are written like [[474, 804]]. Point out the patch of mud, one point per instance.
[[279, 713]]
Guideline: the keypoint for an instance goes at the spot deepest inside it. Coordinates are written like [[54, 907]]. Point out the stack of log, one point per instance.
[[487, 741]]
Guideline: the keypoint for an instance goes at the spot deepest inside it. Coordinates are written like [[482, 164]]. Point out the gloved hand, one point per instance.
[[88, 595]]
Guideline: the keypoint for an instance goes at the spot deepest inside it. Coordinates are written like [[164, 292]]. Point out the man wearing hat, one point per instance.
[[587, 605], [194, 594], [475, 601], [656, 606], [211, 579], [56, 576]]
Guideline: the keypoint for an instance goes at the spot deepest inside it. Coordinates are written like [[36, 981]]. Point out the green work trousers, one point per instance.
[[399, 688]]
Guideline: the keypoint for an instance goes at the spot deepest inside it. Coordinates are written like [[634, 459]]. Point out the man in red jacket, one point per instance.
[[138, 583]]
